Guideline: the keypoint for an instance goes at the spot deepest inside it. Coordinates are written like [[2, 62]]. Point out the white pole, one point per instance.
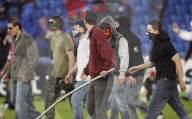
[[71, 93]]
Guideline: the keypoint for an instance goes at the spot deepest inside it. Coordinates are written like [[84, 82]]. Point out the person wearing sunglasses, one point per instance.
[[21, 69]]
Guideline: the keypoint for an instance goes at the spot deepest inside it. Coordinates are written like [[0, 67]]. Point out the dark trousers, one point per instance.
[[53, 90], [97, 97], [166, 92]]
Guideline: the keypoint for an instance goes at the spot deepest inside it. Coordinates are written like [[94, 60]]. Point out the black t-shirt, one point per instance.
[[4, 50], [165, 67]]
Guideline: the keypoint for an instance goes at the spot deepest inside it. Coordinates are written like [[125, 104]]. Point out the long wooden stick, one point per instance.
[[72, 92]]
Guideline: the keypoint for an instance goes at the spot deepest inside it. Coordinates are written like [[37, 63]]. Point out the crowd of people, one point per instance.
[[110, 45], [105, 41]]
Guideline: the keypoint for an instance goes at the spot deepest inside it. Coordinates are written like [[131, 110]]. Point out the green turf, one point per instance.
[[63, 110]]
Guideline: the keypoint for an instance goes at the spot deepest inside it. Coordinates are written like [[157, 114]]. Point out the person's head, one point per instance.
[[107, 24], [123, 22], [123, 26], [32, 3], [152, 75], [154, 27], [9, 1], [90, 18], [7, 37], [78, 27], [43, 20], [56, 22], [14, 26], [106, 29]]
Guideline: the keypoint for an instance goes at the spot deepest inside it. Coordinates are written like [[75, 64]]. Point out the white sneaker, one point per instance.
[[160, 116]]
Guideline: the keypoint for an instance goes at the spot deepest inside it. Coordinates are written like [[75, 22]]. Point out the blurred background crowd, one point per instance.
[[34, 15]]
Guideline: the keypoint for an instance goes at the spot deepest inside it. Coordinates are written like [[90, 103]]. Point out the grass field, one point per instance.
[[63, 110]]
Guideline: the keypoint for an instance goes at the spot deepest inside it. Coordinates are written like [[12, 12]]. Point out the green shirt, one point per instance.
[[60, 45]]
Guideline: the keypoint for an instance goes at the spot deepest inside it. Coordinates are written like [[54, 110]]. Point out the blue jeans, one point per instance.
[[114, 108], [127, 98], [77, 99], [120, 98], [132, 96], [166, 92], [18, 98]]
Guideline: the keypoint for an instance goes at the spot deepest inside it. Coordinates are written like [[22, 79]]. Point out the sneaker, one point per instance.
[[160, 116], [185, 98]]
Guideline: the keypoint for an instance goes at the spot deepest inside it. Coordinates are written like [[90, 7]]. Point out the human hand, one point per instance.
[[182, 86], [121, 79], [132, 81], [175, 25], [83, 76], [69, 79], [5, 78], [103, 73], [24, 80]]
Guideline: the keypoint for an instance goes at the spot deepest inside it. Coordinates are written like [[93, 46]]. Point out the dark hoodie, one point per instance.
[[162, 52], [135, 53], [121, 59]]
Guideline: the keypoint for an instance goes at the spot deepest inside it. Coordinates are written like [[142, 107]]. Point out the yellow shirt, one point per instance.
[[60, 45]]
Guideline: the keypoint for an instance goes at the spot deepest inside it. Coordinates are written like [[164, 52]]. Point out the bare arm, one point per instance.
[[4, 68], [70, 55], [147, 65], [69, 77], [134, 69], [74, 69], [179, 69]]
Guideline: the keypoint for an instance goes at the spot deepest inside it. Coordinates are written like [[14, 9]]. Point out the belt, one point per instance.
[[162, 79]]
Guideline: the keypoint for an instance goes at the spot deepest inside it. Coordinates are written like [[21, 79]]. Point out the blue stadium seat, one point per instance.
[[3, 23], [134, 2], [135, 29], [180, 19], [190, 9], [143, 29], [180, 10], [145, 48], [56, 4]]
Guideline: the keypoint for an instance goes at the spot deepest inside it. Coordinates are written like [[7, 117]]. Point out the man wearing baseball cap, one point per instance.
[[79, 31]]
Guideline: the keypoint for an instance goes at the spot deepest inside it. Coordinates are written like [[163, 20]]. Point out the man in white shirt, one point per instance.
[[185, 35], [79, 31]]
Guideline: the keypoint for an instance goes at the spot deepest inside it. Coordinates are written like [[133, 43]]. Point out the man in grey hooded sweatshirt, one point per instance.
[[125, 89], [121, 52]]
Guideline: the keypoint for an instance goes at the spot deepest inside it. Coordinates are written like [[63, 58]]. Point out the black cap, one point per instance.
[[79, 22]]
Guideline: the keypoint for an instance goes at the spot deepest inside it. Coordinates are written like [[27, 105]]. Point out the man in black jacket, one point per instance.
[[134, 81], [166, 61]]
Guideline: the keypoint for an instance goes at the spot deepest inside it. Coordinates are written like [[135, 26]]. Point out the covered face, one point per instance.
[[108, 26], [52, 25], [107, 31]]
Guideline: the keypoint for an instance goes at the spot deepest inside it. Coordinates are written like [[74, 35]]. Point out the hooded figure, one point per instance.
[[135, 53], [126, 96], [114, 40], [121, 52]]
